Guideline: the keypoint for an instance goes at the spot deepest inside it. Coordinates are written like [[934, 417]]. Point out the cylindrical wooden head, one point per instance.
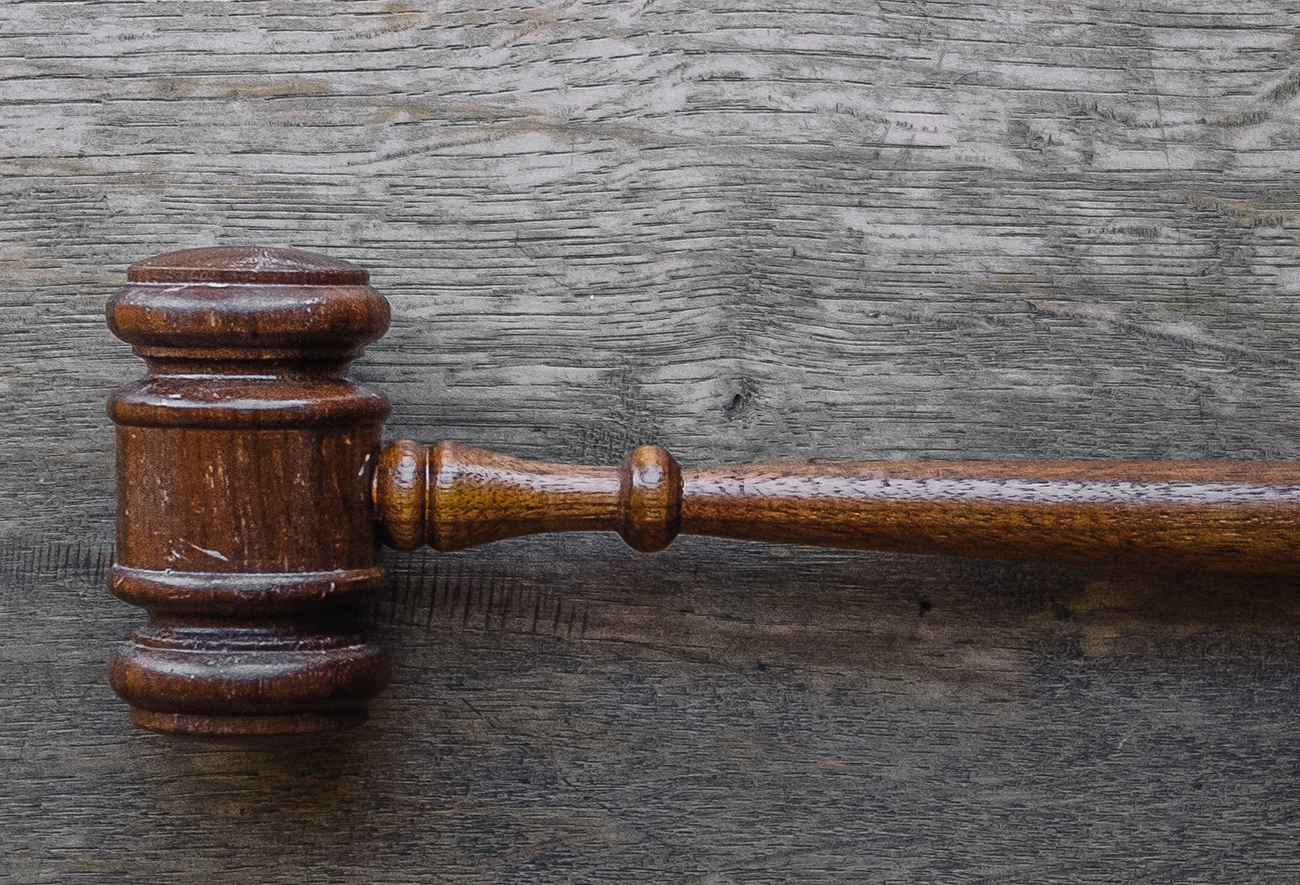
[[244, 520]]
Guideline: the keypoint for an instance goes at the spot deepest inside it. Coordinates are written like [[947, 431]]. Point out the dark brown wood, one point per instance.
[[253, 496], [452, 496], [243, 514], [1226, 516]]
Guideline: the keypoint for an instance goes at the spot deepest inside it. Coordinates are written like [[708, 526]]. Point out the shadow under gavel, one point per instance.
[[254, 494]]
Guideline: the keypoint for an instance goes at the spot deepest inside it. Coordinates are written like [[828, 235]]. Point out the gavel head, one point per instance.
[[244, 523]]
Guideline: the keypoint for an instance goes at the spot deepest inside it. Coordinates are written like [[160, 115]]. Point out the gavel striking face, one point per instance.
[[254, 494]]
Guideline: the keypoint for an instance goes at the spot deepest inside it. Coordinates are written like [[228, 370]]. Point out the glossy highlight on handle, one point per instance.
[[1221, 515], [452, 496]]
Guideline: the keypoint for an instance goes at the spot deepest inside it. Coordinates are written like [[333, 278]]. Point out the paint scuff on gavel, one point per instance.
[[254, 494]]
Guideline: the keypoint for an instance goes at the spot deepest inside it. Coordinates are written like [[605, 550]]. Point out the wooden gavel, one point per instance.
[[253, 495]]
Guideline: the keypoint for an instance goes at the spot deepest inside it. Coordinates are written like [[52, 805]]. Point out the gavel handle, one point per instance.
[[1221, 515]]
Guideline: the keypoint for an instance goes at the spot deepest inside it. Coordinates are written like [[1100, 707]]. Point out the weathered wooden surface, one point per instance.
[[906, 229]]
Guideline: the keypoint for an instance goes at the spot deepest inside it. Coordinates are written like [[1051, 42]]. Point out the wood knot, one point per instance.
[[649, 499]]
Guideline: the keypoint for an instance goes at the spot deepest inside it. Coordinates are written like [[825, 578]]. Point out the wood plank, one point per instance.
[[904, 229]]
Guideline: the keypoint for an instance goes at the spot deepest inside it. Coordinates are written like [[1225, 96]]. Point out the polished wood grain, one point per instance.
[[1155, 515], [452, 496], [1226, 516], [243, 511]]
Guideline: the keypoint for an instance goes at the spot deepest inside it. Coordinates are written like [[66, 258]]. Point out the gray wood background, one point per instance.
[[807, 230]]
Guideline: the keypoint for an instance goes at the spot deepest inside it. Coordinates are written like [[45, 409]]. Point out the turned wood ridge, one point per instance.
[[253, 494]]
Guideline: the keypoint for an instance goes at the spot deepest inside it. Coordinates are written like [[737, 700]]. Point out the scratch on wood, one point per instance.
[[290, 88], [84, 564], [436, 591]]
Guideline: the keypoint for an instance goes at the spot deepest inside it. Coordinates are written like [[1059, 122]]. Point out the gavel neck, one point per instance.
[[452, 496]]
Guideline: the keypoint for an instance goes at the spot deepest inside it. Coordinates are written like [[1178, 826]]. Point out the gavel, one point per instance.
[[253, 496]]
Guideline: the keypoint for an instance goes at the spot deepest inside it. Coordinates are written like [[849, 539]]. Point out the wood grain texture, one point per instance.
[[244, 522], [453, 496], [906, 229], [1230, 516]]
